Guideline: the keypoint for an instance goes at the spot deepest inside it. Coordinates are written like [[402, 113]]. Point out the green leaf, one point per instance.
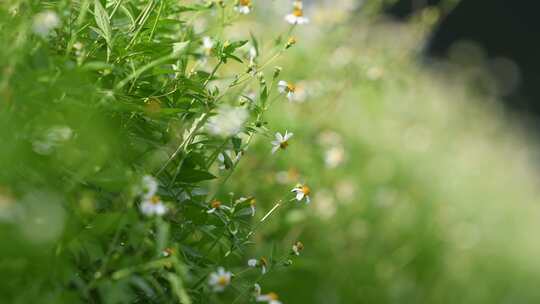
[[102, 21], [194, 176]]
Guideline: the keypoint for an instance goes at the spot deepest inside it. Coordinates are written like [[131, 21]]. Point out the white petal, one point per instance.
[[160, 209], [287, 136], [279, 137], [274, 149], [299, 195], [308, 200], [291, 19], [282, 86]]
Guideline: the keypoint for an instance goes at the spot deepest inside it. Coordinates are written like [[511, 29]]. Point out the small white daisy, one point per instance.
[[214, 206], [207, 45], [287, 88], [297, 247], [153, 206], [219, 280], [243, 6], [270, 298], [257, 289], [149, 186], [281, 142], [252, 263], [297, 15], [252, 206], [262, 262], [302, 191]]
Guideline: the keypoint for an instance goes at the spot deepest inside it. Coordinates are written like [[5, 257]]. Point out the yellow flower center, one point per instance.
[[215, 204], [155, 200], [273, 296], [306, 190], [245, 2], [291, 87], [223, 281], [298, 12]]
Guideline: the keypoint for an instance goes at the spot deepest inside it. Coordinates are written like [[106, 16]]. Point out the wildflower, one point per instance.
[[302, 191], [167, 252], [214, 205], [207, 45], [45, 22], [290, 42], [288, 88], [297, 247], [252, 263], [252, 203], [228, 122], [149, 186], [153, 206], [281, 142], [54, 137], [256, 289], [334, 156], [220, 279], [225, 165], [270, 298], [297, 15], [264, 264], [243, 6]]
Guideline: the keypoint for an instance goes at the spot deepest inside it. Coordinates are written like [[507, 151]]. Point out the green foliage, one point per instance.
[[97, 97]]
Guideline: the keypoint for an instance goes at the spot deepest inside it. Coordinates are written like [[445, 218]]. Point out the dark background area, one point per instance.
[[504, 29]]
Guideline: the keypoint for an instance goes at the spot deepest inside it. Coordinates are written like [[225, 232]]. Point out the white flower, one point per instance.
[[45, 22], [257, 290], [228, 122], [207, 45], [302, 191], [149, 186], [252, 204], [153, 206], [243, 6], [334, 156], [297, 247], [281, 142], [252, 263], [287, 88], [215, 205], [262, 262], [54, 137], [252, 54], [234, 159], [270, 298], [220, 279], [297, 16]]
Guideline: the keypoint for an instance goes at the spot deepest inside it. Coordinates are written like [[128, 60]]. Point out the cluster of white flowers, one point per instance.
[[151, 203]]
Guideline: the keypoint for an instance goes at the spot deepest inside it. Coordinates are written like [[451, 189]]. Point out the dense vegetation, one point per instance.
[[233, 151]]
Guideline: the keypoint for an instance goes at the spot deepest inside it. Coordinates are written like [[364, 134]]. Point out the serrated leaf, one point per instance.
[[102, 21]]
